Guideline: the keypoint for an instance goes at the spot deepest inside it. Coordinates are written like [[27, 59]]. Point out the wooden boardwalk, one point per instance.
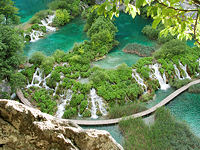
[[22, 98], [141, 114], [115, 121]]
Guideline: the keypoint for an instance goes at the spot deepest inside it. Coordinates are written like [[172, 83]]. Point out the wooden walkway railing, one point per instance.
[[141, 114]]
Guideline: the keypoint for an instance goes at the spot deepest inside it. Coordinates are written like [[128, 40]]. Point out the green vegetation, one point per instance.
[[62, 17], [179, 83], [8, 12], [44, 101], [36, 19], [170, 49], [71, 6], [170, 13], [166, 133], [17, 80], [139, 49], [118, 111], [194, 88], [11, 45]]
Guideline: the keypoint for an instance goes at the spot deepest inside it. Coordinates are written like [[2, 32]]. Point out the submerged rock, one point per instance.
[[25, 128]]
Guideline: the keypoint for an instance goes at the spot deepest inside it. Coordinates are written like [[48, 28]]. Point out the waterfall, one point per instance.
[[139, 80], [35, 35], [95, 99], [161, 80], [184, 68], [57, 84], [61, 106], [47, 21], [37, 77], [177, 72]]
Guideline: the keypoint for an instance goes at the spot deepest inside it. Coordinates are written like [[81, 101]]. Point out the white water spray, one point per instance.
[[95, 99], [139, 80], [161, 80]]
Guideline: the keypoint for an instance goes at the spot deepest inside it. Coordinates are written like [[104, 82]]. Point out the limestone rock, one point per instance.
[[25, 128]]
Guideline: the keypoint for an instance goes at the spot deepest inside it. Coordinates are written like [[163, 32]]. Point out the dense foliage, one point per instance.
[[166, 133], [62, 17], [8, 12], [11, 45]]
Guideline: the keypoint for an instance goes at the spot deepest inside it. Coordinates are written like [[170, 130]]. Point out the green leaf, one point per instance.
[[156, 22], [139, 3]]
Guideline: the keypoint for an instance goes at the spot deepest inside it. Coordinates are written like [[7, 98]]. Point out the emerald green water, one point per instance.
[[129, 32], [63, 39], [27, 8], [185, 107]]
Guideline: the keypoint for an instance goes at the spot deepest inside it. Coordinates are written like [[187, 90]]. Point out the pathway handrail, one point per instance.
[[140, 114]]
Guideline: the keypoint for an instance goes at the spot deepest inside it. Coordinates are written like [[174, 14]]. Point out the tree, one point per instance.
[[180, 17], [11, 45], [9, 11]]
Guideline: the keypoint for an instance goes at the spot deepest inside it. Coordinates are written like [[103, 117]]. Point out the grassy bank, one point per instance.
[[165, 134]]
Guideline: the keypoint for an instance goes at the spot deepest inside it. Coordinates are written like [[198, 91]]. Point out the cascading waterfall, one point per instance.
[[35, 35], [161, 80], [61, 106], [95, 99], [57, 84], [37, 79], [139, 80], [184, 68], [178, 74], [46, 22]]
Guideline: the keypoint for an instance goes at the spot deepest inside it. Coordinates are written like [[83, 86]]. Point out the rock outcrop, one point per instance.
[[25, 128]]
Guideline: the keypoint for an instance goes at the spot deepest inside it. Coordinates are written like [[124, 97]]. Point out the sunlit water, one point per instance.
[[27, 8]]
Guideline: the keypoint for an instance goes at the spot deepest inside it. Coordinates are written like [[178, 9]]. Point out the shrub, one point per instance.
[[150, 32], [117, 111], [179, 83], [37, 58], [38, 28], [70, 113], [62, 17], [28, 72], [17, 80], [44, 101], [194, 88], [58, 55], [47, 65], [171, 49]]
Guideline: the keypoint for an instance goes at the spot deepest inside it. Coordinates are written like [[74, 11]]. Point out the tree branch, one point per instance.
[[195, 28], [185, 10]]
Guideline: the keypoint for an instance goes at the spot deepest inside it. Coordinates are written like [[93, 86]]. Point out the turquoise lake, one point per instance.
[[27, 8]]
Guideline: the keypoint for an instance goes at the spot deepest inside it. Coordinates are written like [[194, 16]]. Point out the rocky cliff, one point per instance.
[[25, 128]]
